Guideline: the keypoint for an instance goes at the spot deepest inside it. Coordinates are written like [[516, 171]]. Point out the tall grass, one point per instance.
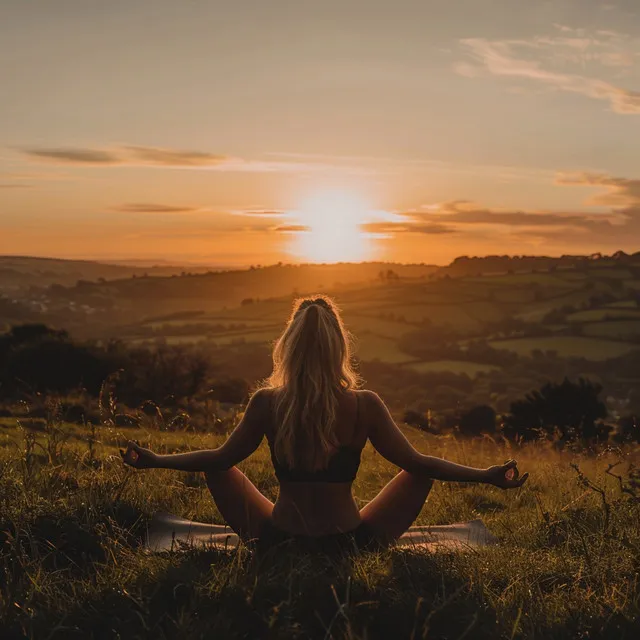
[[72, 520]]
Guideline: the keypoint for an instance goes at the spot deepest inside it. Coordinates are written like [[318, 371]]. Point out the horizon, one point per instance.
[[161, 263], [238, 135]]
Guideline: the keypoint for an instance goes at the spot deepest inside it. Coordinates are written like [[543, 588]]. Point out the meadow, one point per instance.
[[72, 562]]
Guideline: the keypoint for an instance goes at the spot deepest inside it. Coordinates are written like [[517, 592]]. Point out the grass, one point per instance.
[[568, 346], [72, 566]]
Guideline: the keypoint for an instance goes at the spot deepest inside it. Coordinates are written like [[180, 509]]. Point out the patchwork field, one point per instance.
[[379, 314], [567, 346]]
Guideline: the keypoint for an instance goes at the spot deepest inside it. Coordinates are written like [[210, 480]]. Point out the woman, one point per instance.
[[316, 423]]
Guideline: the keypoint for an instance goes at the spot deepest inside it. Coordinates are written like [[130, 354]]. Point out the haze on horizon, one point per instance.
[[245, 132]]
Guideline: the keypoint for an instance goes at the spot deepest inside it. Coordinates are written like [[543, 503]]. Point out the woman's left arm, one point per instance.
[[242, 442]]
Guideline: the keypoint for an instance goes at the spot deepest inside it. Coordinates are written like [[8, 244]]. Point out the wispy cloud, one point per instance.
[[175, 158], [63, 155], [138, 156], [291, 228], [466, 218], [574, 61], [260, 213], [463, 214], [144, 207], [620, 192], [410, 225]]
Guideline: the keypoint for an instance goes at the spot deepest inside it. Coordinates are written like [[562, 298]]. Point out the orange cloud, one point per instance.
[[621, 192], [153, 208]]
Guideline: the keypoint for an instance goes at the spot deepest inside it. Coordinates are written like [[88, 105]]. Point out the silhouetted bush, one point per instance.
[[628, 429], [416, 419], [477, 421], [570, 409]]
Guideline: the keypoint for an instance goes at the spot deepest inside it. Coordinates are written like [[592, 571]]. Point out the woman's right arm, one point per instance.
[[392, 444]]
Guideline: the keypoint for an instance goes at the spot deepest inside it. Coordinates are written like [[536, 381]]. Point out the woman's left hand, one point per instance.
[[138, 457], [506, 476]]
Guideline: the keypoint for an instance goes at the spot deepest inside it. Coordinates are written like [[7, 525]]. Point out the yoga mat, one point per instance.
[[168, 532]]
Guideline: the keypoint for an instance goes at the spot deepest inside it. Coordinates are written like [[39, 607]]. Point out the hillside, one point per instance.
[[21, 272]]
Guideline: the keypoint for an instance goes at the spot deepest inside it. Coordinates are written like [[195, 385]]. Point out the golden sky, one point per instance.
[[252, 132]]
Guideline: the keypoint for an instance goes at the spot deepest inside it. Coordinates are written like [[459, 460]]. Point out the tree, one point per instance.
[[572, 409], [628, 429], [416, 419]]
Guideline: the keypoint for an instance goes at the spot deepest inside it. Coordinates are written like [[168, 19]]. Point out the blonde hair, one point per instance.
[[311, 368]]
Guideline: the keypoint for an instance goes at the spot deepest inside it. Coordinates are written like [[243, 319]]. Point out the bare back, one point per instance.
[[320, 508]]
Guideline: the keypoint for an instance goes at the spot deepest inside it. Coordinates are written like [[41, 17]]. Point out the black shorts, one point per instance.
[[362, 538]]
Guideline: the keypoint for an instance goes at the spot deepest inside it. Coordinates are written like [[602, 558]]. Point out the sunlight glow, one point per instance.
[[334, 233]]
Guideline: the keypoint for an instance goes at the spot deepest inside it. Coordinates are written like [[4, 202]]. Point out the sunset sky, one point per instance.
[[254, 131]]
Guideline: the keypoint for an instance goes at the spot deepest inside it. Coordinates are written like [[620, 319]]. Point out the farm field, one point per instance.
[[471, 369], [606, 313], [567, 346], [379, 314], [614, 329]]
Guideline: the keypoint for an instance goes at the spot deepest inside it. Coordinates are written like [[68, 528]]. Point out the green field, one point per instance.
[[372, 347], [471, 369], [624, 304], [614, 329], [567, 346], [594, 315]]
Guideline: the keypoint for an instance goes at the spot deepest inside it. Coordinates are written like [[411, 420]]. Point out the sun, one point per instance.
[[331, 228]]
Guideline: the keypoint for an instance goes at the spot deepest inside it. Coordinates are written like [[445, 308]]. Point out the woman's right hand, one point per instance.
[[138, 457], [506, 476]]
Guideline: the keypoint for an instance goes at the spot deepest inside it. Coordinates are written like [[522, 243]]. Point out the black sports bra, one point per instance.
[[342, 466]]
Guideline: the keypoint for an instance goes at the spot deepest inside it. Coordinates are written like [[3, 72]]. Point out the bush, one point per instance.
[[571, 409], [477, 421]]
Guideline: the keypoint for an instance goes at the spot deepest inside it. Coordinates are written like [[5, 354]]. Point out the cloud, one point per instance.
[[174, 158], [544, 59], [291, 228], [17, 185], [153, 208], [74, 156], [621, 192], [409, 226], [267, 213], [138, 156], [468, 213]]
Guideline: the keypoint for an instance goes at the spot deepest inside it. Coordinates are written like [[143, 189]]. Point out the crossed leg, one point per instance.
[[389, 514], [240, 503], [396, 507]]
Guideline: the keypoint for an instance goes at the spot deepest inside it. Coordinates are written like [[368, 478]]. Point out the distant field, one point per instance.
[[615, 329], [515, 279], [371, 347], [455, 315], [385, 328], [608, 272], [594, 315], [471, 369], [500, 294], [173, 340], [568, 346], [226, 322]]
